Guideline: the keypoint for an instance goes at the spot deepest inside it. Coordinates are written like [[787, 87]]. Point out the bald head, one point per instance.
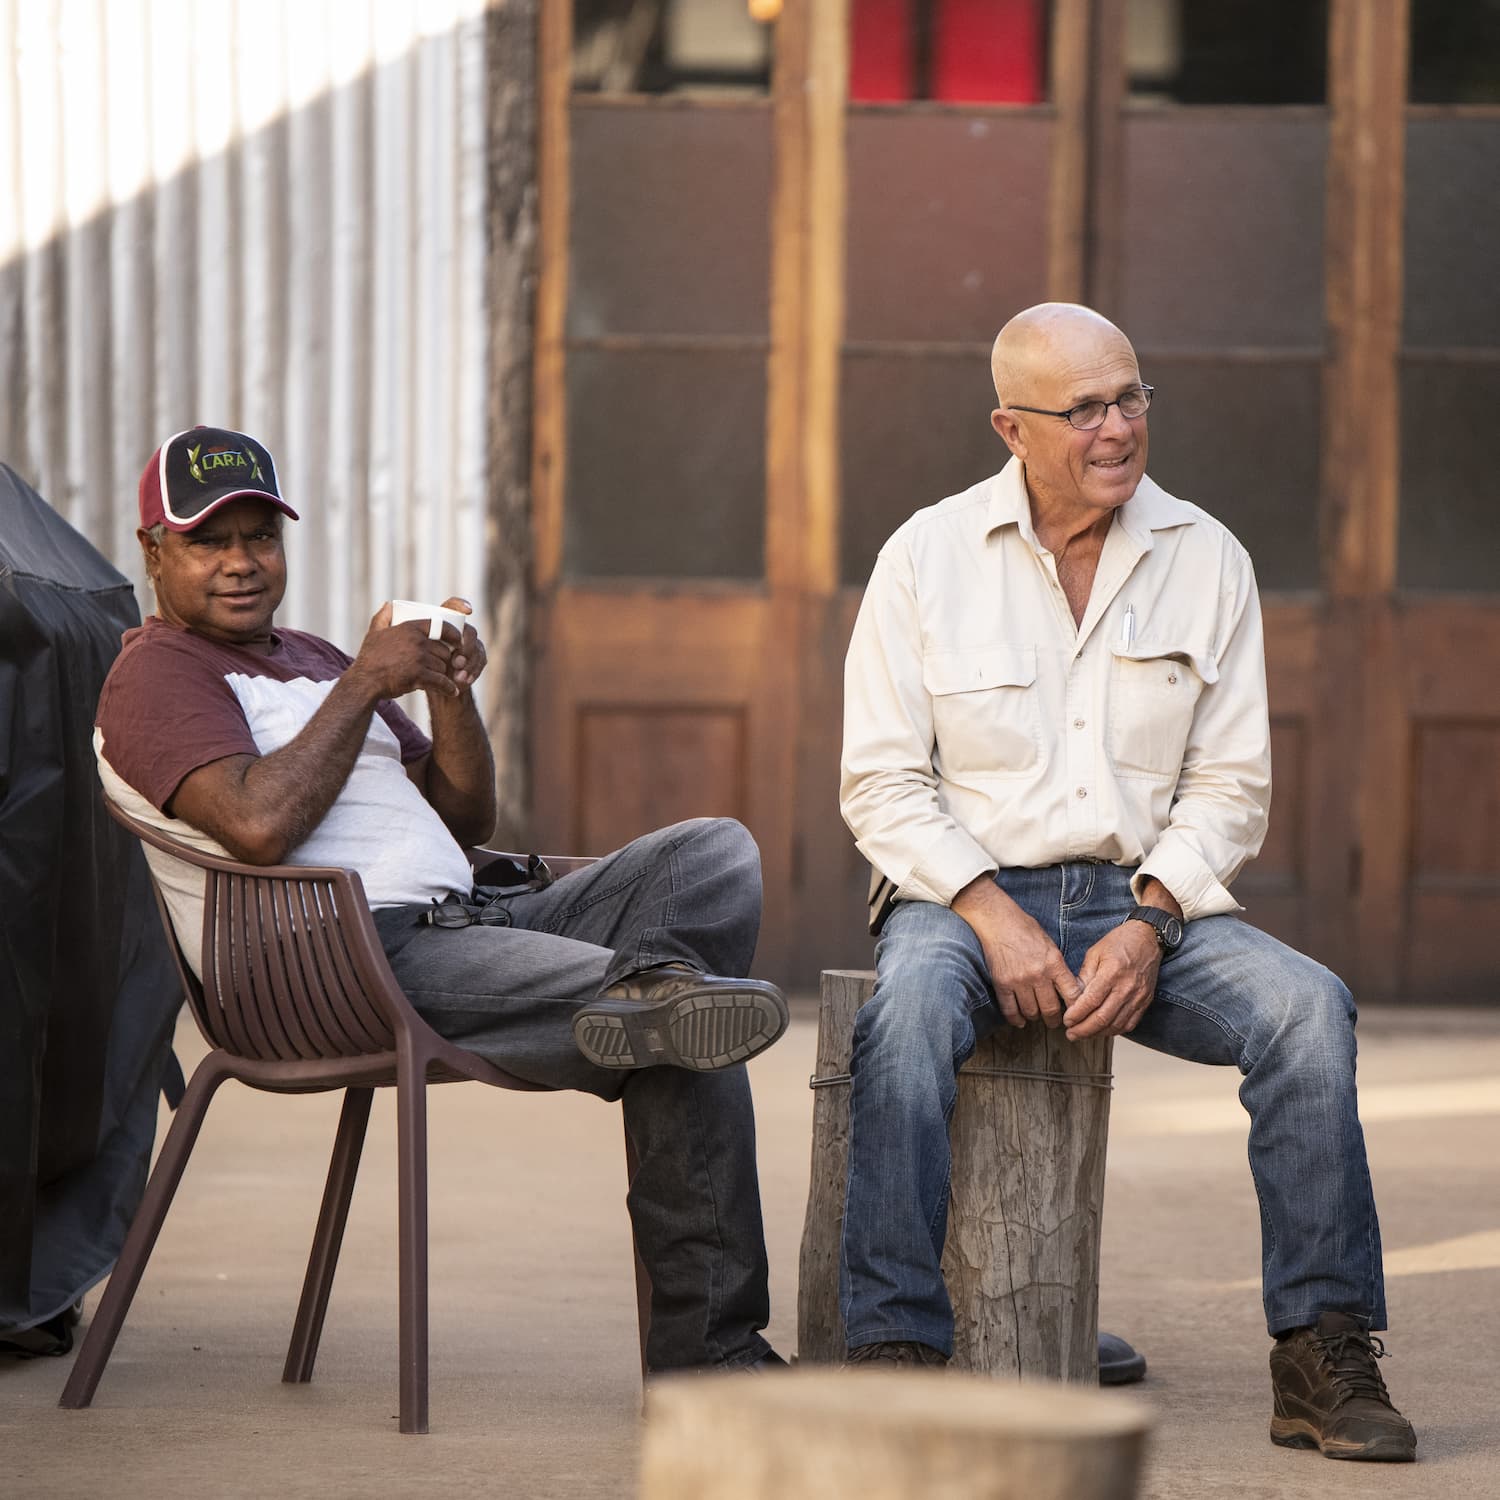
[[1039, 343], [1047, 362]]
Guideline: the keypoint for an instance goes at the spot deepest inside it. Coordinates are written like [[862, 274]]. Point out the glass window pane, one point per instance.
[[1452, 296], [1455, 52], [962, 51], [1227, 51], [1450, 524], [668, 46], [1224, 231], [670, 221], [1241, 440], [666, 463], [913, 429], [947, 223]]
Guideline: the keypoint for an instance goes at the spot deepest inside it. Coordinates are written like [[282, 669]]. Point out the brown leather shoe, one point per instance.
[[681, 1018], [1327, 1394]]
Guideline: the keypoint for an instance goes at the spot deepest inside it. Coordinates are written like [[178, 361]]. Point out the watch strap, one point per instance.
[[1168, 928]]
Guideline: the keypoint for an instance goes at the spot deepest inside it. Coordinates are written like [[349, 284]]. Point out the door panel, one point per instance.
[[656, 706], [645, 768], [1448, 799]]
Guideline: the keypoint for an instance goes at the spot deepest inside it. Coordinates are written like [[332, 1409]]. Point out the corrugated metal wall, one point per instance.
[[267, 214]]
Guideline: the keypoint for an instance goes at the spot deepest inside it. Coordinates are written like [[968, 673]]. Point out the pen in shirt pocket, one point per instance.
[[1127, 627]]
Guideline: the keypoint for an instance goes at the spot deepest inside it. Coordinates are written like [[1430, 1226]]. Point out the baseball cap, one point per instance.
[[195, 472]]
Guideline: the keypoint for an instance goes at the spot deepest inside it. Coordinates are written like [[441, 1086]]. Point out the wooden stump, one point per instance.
[[1021, 1261], [858, 1435]]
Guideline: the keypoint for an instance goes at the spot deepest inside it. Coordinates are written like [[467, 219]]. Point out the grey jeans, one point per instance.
[[689, 893]]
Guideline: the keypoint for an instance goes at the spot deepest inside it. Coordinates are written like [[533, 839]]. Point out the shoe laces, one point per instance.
[[1349, 1359]]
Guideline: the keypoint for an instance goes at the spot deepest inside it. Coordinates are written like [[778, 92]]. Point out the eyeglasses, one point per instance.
[[455, 912], [1088, 415]]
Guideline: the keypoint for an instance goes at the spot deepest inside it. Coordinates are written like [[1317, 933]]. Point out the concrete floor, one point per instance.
[[535, 1387]]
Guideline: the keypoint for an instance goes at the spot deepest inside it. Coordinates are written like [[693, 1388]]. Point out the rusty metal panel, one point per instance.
[[1452, 220], [1223, 228], [1450, 529], [948, 217], [270, 217], [666, 463], [671, 208], [914, 427]]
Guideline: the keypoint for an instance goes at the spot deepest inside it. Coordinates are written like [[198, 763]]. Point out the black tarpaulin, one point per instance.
[[88, 994]]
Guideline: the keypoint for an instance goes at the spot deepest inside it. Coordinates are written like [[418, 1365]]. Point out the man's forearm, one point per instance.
[[262, 807], [1154, 893], [461, 769]]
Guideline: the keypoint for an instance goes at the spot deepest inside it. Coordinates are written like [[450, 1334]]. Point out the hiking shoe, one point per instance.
[[1327, 1394], [903, 1353], [681, 1018]]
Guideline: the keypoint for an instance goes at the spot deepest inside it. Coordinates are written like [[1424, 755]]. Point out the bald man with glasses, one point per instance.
[[1057, 759]]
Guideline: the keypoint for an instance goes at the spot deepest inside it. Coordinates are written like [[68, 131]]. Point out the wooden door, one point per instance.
[[1428, 884], [669, 393], [1286, 208]]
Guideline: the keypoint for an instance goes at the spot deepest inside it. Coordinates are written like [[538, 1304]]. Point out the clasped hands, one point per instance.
[[403, 658], [1107, 997]]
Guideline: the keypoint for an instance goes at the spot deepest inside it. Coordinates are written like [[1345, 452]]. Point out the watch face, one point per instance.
[[1171, 931]]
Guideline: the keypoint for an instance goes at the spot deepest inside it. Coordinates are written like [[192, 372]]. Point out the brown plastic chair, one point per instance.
[[297, 997]]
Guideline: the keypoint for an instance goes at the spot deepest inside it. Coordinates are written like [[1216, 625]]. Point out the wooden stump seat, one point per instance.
[[1021, 1262]]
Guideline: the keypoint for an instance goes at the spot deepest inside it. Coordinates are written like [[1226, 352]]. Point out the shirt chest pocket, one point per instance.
[[1153, 694], [985, 717]]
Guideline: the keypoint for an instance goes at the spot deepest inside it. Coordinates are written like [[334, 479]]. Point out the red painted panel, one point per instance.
[[990, 51], [880, 51]]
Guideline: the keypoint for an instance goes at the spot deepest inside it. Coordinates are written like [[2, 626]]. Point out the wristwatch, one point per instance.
[[1168, 928]]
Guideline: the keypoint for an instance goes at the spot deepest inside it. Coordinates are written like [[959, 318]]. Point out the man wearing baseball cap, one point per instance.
[[235, 735]]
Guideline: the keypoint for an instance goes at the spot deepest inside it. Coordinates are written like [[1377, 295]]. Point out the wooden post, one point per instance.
[[856, 1435], [511, 178], [1022, 1257]]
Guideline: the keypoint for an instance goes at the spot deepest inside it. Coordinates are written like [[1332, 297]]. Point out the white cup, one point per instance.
[[403, 610]]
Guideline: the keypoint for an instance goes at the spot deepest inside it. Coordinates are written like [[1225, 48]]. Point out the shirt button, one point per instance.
[[1171, 677], [1083, 791], [1077, 723]]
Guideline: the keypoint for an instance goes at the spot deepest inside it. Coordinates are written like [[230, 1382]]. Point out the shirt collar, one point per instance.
[[1150, 509]]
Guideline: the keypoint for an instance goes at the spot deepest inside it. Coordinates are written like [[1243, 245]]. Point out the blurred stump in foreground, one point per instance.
[[887, 1435]]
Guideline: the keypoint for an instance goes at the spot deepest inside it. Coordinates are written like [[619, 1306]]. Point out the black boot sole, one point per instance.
[[702, 1030]]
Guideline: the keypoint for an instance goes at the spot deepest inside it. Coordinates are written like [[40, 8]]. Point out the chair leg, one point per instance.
[[109, 1316], [642, 1277], [411, 1151], [329, 1235]]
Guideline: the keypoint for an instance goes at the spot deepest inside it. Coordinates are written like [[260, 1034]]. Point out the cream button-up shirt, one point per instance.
[[982, 728]]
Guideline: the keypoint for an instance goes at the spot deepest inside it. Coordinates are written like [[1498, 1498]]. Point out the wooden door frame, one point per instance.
[[760, 626], [1368, 68]]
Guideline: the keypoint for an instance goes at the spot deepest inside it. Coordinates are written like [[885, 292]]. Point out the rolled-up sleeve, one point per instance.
[[888, 791], [1219, 813]]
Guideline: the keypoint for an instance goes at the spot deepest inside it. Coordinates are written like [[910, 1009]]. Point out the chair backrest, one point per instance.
[[292, 965]]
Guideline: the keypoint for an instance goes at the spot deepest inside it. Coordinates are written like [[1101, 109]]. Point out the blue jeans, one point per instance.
[[690, 893], [1229, 995]]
